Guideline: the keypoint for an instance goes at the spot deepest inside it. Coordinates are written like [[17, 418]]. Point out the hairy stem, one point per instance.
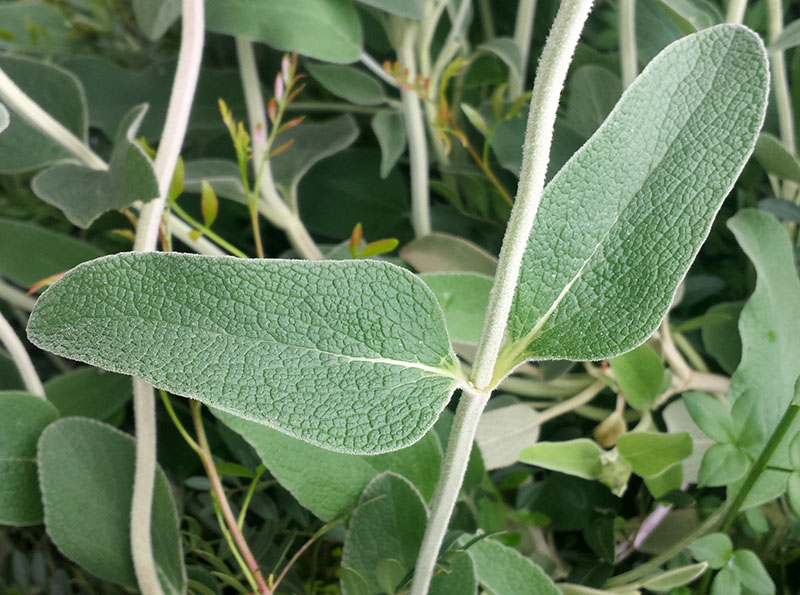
[[180, 105], [20, 358], [219, 492], [550, 78], [415, 130], [454, 467], [523, 32], [627, 41], [16, 297]]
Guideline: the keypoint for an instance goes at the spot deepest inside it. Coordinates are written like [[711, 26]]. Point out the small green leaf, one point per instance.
[[672, 579], [504, 571], [348, 355], [389, 523], [22, 147], [592, 260], [457, 578], [328, 30], [379, 247], [650, 454], [445, 253], [86, 472], [329, 483], [348, 82], [789, 37], [751, 572], [507, 50], [593, 91], [775, 158], [209, 204], [390, 130], [699, 14], [722, 465], [667, 481], [781, 209], [726, 583], [714, 548], [475, 118], [30, 253], [711, 416], [720, 334], [580, 457], [640, 375], [83, 194], [89, 392], [503, 433], [677, 419], [463, 298], [155, 17], [22, 419]]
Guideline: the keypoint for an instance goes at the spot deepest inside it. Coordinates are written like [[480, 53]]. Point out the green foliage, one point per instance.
[[650, 454], [89, 392], [640, 376], [463, 298], [504, 571], [349, 83]]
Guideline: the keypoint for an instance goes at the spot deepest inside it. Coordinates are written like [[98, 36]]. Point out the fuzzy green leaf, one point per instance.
[[350, 355], [324, 29], [329, 483], [86, 471], [580, 457], [22, 419], [504, 571], [672, 579], [593, 92], [504, 432], [445, 253], [89, 392], [390, 130], [640, 375], [349, 83], [650, 454], [617, 229], [83, 194], [775, 158], [155, 17], [714, 548], [405, 8], [463, 298], [751, 572]]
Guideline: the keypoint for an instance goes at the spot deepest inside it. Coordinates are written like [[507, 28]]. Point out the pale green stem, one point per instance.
[[373, 65], [551, 74], [550, 78], [16, 297], [523, 32], [415, 131], [555, 389], [736, 11], [20, 358], [180, 105], [33, 114], [455, 39], [181, 230], [780, 85], [487, 20], [627, 41], [579, 400], [454, 466], [272, 206]]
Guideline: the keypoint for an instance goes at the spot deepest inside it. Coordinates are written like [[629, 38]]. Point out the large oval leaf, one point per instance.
[[620, 224], [348, 355], [324, 29]]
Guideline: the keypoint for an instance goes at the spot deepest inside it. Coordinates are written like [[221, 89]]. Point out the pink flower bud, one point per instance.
[[286, 69], [279, 88]]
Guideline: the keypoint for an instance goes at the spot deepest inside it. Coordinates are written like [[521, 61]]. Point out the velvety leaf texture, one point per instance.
[[348, 355], [620, 224]]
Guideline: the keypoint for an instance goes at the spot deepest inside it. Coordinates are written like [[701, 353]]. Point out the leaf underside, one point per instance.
[[348, 355]]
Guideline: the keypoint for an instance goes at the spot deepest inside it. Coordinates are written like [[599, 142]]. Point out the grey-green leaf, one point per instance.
[[504, 432], [22, 419], [698, 13], [463, 298], [763, 384], [89, 392], [617, 230], [324, 29], [714, 548], [29, 253], [508, 51], [775, 158], [789, 37], [348, 355], [389, 524], [593, 92], [348, 82], [58, 92], [504, 571], [155, 17], [445, 253], [83, 194], [651, 453], [329, 483], [390, 130], [580, 457], [640, 375], [405, 8], [86, 472]]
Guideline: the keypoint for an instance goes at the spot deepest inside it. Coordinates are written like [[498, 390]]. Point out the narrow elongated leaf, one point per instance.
[[775, 158], [58, 92], [86, 471], [617, 229], [763, 384], [580, 457], [593, 92], [83, 194], [348, 82], [155, 17], [390, 130], [329, 483], [352, 356], [324, 29], [672, 579], [389, 524], [29, 253], [698, 13], [789, 37], [22, 419]]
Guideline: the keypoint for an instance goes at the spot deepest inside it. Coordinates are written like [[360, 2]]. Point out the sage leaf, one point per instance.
[[389, 524], [22, 147], [593, 93], [677, 419], [459, 576], [405, 8], [22, 419], [21, 19], [508, 51], [720, 333], [89, 392], [781, 209], [347, 355], [348, 82], [640, 375], [83, 194], [155, 17], [330, 483], [699, 14], [750, 571], [714, 548], [30, 253], [390, 130], [445, 253], [504, 571], [674, 578], [616, 230], [503, 433], [789, 37], [763, 384], [775, 158], [650, 453], [86, 473], [324, 29], [580, 457], [463, 298]]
